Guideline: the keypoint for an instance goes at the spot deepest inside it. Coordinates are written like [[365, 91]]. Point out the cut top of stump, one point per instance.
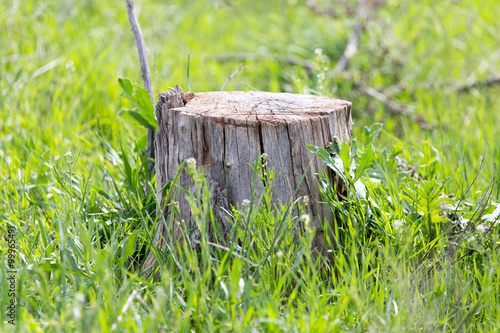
[[254, 107]]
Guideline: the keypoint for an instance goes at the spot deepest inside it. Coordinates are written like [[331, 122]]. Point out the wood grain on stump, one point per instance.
[[226, 131]]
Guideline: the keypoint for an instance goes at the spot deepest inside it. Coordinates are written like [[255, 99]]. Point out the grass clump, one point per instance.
[[407, 256]]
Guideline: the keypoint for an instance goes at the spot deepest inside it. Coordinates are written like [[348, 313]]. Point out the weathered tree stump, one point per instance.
[[226, 131]]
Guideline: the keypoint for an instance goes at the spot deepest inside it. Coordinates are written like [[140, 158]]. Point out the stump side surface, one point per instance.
[[226, 131]]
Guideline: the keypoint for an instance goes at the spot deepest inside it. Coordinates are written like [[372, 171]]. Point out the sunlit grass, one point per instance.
[[83, 219]]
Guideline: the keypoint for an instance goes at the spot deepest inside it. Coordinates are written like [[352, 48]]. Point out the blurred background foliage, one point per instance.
[[59, 62]]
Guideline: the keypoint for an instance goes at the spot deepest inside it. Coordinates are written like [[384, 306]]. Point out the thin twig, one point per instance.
[[350, 50], [364, 13], [146, 74], [241, 68], [394, 107], [477, 84], [352, 43]]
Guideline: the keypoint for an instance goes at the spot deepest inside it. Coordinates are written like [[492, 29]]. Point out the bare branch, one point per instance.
[[352, 43], [364, 13], [477, 84], [319, 10], [394, 108], [350, 50], [146, 74]]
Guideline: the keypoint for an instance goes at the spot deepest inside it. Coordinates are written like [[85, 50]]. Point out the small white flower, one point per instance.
[[397, 225], [191, 163], [224, 288], [241, 286], [463, 222], [306, 200], [70, 65], [80, 297], [69, 156], [481, 228], [305, 219], [279, 254], [318, 51], [245, 203], [77, 313]]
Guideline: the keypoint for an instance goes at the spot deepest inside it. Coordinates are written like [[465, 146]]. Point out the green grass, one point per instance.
[[72, 181]]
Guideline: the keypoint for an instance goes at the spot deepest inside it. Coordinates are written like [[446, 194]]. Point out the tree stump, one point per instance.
[[225, 131]]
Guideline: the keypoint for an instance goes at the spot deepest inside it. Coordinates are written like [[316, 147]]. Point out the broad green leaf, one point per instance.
[[133, 114], [334, 147], [345, 155], [130, 244], [333, 162], [365, 162], [141, 144], [127, 86], [369, 133], [141, 100], [127, 167]]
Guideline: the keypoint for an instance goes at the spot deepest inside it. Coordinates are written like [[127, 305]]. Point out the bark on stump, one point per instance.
[[225, 131]]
